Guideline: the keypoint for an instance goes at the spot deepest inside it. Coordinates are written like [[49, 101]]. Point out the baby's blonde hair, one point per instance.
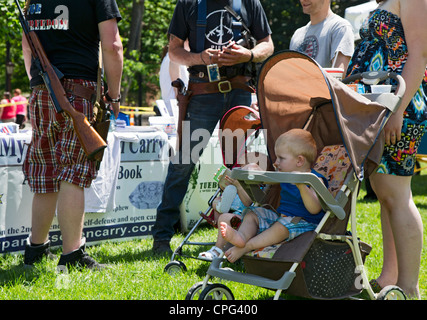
[[299, 142]]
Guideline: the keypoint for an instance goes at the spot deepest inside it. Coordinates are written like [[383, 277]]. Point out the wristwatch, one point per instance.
[[109, 99]]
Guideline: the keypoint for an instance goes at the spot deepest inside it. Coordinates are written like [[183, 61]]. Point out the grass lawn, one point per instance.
[[136, 274]]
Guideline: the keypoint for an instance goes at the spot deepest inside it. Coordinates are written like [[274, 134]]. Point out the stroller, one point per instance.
[[241, 125], [328, 263]]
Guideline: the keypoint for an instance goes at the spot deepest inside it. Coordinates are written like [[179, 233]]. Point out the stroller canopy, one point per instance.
[[295, 92]]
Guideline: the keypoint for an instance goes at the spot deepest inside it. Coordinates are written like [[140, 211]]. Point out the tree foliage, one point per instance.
[[142, 62]]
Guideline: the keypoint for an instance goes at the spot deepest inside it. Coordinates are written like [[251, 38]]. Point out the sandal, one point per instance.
[[213, 252], [375, 286]]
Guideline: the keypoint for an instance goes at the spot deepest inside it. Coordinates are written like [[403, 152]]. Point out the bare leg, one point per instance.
[[43, 212], [220, 241], [389, 271], [225, 218], [248, 229], [70, 215], [403, 232], [275, 234]]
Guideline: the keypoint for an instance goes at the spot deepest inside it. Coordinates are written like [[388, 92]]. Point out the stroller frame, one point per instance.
[[333, 206], [176, 266], [238, 116], [350, 187], [285, 281]]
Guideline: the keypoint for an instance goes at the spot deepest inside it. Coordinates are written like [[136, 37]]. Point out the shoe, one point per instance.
[[35, 253], [162, 247], [78, 259], [212, 253]]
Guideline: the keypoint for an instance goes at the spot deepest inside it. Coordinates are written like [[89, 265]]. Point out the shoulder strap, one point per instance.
[[237, 24], [201, 24]]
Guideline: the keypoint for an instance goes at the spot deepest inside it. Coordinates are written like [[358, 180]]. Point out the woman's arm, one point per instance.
[[412, 15]]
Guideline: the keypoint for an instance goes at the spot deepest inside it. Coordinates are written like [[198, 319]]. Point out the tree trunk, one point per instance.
[[134, 37]]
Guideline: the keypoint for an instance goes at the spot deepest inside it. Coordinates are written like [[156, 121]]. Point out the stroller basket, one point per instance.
[[328, 270]]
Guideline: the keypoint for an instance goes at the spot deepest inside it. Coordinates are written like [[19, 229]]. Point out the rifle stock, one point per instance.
[[91, 142]]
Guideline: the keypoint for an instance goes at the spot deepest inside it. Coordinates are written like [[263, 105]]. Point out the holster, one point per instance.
[[101, 123], [183, 100]]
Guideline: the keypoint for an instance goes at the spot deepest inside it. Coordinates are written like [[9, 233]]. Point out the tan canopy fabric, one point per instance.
[[295, 92]]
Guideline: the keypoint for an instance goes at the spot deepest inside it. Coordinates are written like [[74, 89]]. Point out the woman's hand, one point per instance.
[[393, 128]]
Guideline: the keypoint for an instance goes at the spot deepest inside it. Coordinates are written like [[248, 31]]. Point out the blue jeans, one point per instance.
[[203, 112]]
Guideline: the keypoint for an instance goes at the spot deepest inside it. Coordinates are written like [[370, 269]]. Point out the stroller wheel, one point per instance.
[[216, 291], [391, 293], [175, 267], [194, 292]]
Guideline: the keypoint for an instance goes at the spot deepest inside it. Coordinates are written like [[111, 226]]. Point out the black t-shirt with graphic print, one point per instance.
[[68, 31], [219, 22]]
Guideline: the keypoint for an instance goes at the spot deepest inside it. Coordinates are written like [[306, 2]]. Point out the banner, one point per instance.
[[120, 204], [15, 197]]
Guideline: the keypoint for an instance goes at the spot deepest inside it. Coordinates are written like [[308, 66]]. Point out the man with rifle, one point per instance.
[[60, 161], [226, 38]]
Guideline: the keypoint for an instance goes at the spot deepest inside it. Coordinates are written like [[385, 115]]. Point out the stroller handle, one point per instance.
[[374, 77]]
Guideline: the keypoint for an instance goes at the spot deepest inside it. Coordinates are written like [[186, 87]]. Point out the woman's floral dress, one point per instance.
[[383, 47]]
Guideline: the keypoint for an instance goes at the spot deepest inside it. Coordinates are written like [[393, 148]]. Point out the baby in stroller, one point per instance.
[[299, 210], [231, 214], [240, 201]]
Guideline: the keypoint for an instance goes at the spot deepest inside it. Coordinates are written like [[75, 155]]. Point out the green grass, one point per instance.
[[136, 274]]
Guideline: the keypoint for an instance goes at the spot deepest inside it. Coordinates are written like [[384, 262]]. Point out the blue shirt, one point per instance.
[[291, 203]]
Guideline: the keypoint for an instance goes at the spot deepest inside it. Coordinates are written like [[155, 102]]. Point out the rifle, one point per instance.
[[90, 140]]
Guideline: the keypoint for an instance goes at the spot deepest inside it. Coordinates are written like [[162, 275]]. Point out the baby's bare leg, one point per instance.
[[248, 229], [275, 234]]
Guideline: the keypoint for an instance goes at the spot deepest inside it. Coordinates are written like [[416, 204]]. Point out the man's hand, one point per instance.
[[234, 54]]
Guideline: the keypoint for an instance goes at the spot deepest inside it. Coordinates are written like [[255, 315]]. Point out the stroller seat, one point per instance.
[[334, 164], [326, 267]]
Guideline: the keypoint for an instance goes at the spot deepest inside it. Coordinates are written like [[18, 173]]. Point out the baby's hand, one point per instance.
[[252, 167], [231, 181]]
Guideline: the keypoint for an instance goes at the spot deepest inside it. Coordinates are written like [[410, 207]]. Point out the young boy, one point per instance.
[[299, 210], [240, 202]]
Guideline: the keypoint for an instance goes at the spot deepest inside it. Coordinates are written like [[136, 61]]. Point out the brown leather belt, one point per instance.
[[75, 89], [224, 86], [80, 91]]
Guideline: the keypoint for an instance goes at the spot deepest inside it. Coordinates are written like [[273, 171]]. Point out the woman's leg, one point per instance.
[[402, 232]]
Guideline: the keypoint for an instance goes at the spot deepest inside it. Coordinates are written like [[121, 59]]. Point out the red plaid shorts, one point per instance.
[[55, 153]]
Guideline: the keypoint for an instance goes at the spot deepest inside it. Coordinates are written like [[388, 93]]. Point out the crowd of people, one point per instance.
[[221, 63], [13, 109]]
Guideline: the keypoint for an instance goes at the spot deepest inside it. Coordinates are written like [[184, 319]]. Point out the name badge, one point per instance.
[[213, 72]]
